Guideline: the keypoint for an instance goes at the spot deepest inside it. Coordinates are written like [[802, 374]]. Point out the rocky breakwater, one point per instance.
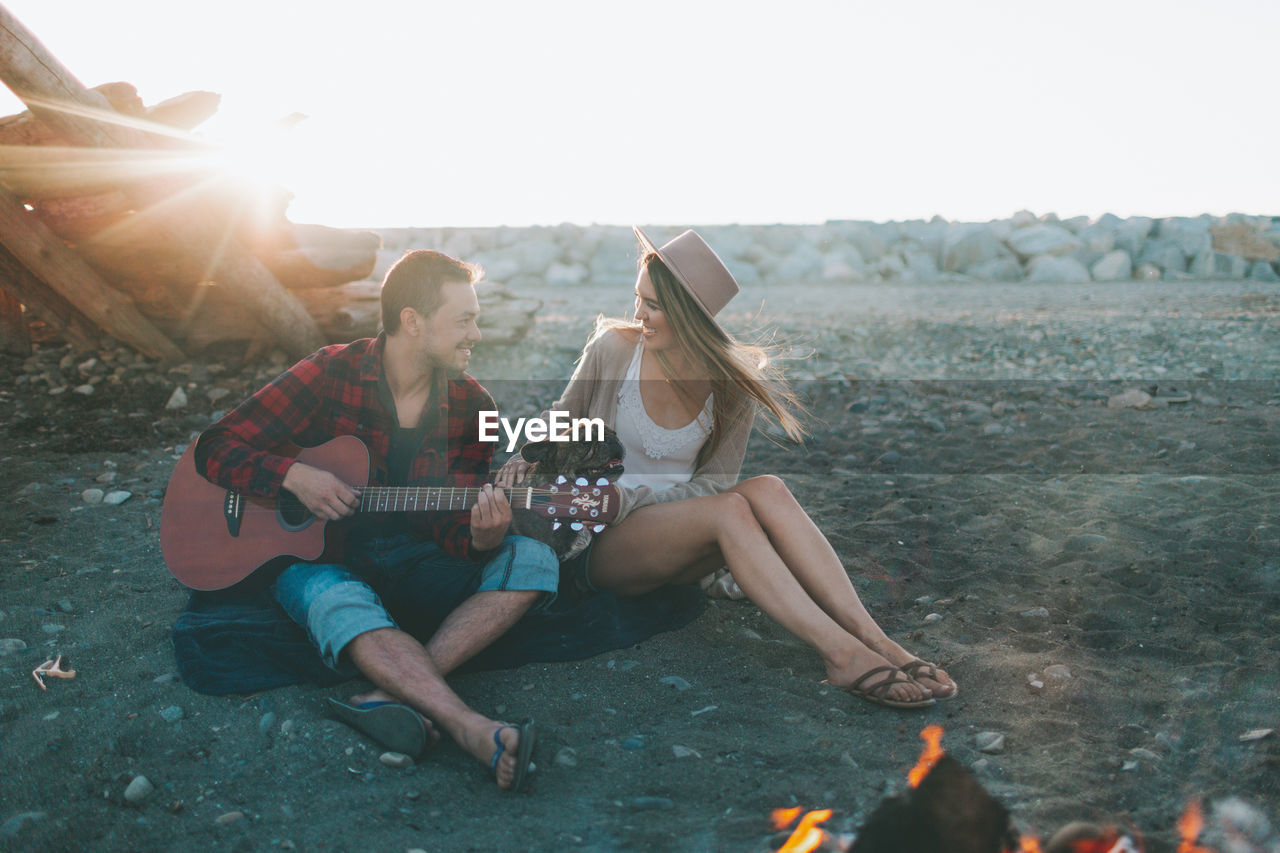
[[1024, 247]]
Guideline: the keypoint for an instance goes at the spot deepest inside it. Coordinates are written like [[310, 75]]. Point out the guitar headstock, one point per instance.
[[578, 502]]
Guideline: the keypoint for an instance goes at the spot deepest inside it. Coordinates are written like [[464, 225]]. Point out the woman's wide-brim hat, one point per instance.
[[698, 269]]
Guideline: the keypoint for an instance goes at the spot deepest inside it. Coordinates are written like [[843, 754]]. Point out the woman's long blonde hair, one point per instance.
[[740, 374]]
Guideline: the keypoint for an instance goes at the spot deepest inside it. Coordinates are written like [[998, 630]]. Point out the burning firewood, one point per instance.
[[948, 812]]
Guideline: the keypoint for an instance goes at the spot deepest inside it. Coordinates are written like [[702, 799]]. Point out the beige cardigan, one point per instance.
[[593, 393]]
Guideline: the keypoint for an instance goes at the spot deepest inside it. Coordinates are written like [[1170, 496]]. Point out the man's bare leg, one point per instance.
[[475, 624], [400, 668]]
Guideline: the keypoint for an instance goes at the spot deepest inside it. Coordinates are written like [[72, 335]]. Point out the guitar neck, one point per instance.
[[432, 498]]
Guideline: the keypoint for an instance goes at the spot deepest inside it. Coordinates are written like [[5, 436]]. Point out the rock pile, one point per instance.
[[1022, 248]]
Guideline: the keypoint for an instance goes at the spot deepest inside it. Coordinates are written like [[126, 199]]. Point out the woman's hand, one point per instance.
[[512, 472]]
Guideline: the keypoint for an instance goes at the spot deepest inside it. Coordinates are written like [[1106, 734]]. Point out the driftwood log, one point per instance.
[[47, 88], [60, 314], [115, 221], [15, 337], [40, 251], [25, 129]]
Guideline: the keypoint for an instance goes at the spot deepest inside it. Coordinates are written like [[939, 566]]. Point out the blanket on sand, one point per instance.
[[239, 640]]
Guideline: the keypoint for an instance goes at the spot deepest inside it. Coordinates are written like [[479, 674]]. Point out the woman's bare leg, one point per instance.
[[810, 557], [682, 540]]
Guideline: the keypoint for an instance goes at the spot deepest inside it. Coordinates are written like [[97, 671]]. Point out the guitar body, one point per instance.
[[212, 538]]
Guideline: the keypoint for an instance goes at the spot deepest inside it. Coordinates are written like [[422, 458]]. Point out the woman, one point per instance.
[[682, 394]]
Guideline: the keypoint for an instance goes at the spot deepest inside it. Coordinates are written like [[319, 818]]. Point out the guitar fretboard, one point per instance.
[[422, 499]]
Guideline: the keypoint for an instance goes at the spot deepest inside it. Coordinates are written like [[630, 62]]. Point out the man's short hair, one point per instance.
[[415, 280]]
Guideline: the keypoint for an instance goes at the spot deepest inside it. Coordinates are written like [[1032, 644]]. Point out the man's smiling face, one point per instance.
[[451, 330]]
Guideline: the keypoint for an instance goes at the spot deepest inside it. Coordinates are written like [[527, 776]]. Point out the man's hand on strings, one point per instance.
[[321, 492], [490, 518]]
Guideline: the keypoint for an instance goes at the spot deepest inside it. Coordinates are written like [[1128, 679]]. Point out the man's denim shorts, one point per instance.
[[336, 603]]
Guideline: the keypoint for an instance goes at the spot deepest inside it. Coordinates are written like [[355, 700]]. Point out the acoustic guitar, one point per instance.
[[212, 538]]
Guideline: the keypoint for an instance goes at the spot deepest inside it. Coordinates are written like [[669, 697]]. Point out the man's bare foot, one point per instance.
[[479, 740], [376, 695]]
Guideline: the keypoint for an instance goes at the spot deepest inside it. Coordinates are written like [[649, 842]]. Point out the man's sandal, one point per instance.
[[393, 724], [524, 754], [918, 669], [876, 692]]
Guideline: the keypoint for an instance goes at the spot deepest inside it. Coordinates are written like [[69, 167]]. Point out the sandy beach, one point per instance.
[[1100, 573]]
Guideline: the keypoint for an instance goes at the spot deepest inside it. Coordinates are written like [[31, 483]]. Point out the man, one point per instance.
[[405, 395]]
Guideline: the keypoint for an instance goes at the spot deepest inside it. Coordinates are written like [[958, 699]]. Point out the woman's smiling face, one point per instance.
[[656, 331]]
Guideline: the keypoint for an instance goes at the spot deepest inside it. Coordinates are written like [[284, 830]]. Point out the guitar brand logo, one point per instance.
[[586, 502]]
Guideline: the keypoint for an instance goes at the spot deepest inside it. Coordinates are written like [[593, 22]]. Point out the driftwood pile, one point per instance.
[[115, 220]]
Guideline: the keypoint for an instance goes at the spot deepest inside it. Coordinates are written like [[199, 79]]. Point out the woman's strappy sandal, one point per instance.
[[918, 669], [877, 692]]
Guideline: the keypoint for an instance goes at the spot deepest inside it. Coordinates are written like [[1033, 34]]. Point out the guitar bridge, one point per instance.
[[232, 510]]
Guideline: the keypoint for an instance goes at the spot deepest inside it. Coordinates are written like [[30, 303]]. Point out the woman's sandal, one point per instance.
[[876, 692], [913, 671]]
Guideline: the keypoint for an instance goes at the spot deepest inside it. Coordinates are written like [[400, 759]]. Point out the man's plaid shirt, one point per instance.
[[334, 392]]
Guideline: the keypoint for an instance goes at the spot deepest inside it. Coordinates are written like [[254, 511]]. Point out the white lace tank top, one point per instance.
[[657, 457]]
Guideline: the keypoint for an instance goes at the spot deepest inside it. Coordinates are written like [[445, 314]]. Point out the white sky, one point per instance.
[[494, 112]]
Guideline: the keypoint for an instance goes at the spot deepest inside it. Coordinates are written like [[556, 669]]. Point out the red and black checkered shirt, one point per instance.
[[334, 392]]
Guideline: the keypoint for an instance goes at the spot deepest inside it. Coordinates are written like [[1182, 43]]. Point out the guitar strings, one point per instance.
[[395, 494]]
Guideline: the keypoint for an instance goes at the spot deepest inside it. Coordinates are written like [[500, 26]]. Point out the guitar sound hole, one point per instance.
[[291, 513]]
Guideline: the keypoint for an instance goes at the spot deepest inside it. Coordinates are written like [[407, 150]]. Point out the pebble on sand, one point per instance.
[[675, 681], [396, 759], [1255, 734], [229, 818], [643, 804], [1131, 399], [138, 790], [172, 714], [92, 496], [13, 827], [117, 497], [567, 757], [177, 400], [992, 743], [9, 645], [1058, 671], [1083, 542]]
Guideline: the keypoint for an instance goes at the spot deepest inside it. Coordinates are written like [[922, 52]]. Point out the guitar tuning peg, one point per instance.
[[599, 528], [581, 481], [562, 479], [577, 525], [555, 525], [603, 481]]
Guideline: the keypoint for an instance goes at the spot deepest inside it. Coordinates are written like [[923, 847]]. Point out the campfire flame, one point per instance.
[[1080, 838], [929, 756], [807, 836], [1189, 826]]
